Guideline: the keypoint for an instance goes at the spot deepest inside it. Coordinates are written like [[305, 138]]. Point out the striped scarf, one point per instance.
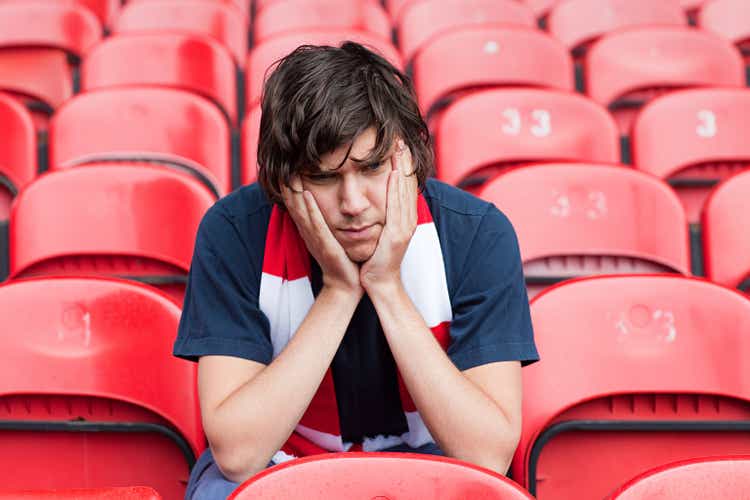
[[286, 296]]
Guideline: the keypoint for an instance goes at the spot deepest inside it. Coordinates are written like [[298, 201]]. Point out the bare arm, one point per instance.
[[473, 415], [249, 411]]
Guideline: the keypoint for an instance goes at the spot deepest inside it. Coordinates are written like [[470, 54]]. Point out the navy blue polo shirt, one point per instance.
[[491, 320]]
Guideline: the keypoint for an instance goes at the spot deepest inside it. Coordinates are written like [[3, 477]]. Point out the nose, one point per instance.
[[353, 197]]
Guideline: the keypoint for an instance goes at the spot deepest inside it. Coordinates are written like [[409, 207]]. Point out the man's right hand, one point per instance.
[[339, 271]]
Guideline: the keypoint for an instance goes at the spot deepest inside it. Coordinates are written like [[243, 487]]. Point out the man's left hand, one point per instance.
[[383, 269]]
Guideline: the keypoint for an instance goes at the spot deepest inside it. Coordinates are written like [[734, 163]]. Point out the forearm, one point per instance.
[[465, 422], [254, 421]]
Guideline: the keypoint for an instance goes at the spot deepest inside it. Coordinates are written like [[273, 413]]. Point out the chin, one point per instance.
[[361, 253]]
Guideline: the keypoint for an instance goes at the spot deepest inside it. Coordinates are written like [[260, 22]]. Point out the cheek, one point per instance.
[[378, 193], [325, 199]]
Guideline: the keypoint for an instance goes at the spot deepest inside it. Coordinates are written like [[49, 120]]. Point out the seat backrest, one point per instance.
[[106, 342], [469, 58], [726, 241], [190, 62], [264, 56], [59, 25], [582, 219], [420, 20], [727, 18], [342, 476], [635, 371], [284, 16], [17, 149], [171, 127], [250, 131], [580, 22], [124, 493], [511, 126], [693, 138], [715, 478], [123, 220], [243, 5], [665, 57], [541, 8], [223, 21], [105, 10]]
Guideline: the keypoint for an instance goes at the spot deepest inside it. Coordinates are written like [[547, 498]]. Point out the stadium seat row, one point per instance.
[[636, 371]]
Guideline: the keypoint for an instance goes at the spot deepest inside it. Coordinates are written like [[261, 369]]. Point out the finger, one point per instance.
[[295, 205]]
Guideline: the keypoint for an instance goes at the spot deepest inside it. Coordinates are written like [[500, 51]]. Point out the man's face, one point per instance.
[[352, 198]]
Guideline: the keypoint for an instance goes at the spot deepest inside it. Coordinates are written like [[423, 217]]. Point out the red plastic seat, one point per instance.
[[243, 5], [726, 242], [174, 60], [421, 20], [625, 70], [694, 138], [17, 151], [541, 8], [250, 131], [36, 41], [716, 478], [105, 10], [137, 222], [263, 56], [728, 18], [90, 392], [466, 59], [485, 132], [169, 127], [579, 22], [635, 372], [692, 6], [285, 16], [343, 476], [123, 493], [586, 219], [223, 21]]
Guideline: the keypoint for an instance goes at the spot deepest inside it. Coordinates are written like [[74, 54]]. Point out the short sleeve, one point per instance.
[[491, 318], [221, 315]]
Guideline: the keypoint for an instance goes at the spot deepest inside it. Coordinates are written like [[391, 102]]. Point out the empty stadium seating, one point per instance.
[[343, 476], [223, 21], [577, 23], [264, 55], [18, 158], [174, 60], [243, 5], [489, 130], [635, 372], [137, 222], [694, 138], [91, 396], [726, 241], [169, 127], [284, 16], [624, 70], [465, 59], [717, 478], [36, 41], [122, 493], [729, 19], [105, 10], [420, 20], [583, 219]]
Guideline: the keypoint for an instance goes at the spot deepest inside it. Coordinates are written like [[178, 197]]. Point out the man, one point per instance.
[[346, 302]]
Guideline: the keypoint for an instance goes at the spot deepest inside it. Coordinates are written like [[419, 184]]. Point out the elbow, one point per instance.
[[238, 465]]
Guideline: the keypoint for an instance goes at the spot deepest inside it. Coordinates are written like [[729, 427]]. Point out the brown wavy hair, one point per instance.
[[320, 98]]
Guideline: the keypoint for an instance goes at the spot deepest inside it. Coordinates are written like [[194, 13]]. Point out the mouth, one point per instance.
[[357, 233]]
